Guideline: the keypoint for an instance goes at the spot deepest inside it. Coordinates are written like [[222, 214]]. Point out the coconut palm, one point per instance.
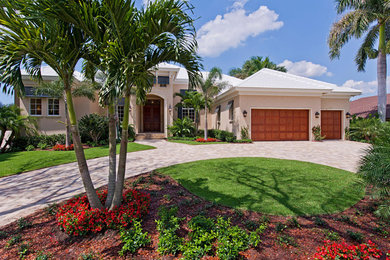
[[368, 19], [253, 65], [210, 86], [56, 89], [28, 37]]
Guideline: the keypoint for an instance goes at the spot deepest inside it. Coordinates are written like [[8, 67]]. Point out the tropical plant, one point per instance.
[[253, 65], [93, 126], [375, 170], [13, 122], [182, 128], [316, 130], [370, 19], [30, 37], [210, 86], [365, 129], [55, 89], [192, 99]]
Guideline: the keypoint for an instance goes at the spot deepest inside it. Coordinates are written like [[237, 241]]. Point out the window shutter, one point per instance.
[[180, 112]]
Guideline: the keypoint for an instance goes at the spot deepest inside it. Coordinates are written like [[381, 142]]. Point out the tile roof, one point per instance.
[[363, 107]]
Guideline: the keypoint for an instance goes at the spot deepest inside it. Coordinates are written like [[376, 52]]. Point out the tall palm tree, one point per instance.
[[253, 65], [368, 18], [55, 89], [28, 38], [134, 42], [210, 87]]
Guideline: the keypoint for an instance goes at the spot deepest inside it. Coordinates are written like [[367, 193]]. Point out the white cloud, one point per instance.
[[234, 27], [305, 68], [368, 88]]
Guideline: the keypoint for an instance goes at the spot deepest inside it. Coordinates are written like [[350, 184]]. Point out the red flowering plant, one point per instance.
[[209, 140], [61, 147], [344, 251], [77, 218]]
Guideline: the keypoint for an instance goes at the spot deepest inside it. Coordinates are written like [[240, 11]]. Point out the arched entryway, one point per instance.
[[152, 115]]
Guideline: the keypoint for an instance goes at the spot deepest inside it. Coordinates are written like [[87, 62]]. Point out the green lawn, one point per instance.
[[271, 186], [18, 162], [194, 142]]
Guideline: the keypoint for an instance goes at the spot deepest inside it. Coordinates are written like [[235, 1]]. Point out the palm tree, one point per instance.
[[210, 87], [253, 65], [55, 89], [192, 99], [11, 120], [369, 18], [130, 43], [28, 37]]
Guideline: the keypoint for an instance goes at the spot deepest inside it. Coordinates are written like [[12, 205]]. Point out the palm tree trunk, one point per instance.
[[112, 155], [205, 120], [2, 139], [80, 156], [382, 73], [67, 125], [8, 142], [117, 200]]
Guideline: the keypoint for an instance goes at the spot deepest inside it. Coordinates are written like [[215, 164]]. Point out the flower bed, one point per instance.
[[76, 217], [344, 251], [61, 147], [209, 140]]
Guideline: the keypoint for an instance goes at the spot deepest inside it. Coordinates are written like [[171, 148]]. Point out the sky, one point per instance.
[[291, 33]]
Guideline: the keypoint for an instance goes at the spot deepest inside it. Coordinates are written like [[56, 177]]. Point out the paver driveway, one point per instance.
[[22, 194]]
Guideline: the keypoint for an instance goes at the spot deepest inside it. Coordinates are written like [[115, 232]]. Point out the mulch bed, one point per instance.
[[44, 235]]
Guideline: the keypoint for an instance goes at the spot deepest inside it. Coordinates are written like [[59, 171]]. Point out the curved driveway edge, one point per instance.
[[21, 195]]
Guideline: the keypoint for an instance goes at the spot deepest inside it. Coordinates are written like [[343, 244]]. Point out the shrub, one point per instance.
[[293, 222], [356, 236], [21, 143], [76, 217], [244, 133], [51, 209], [131, 133], [61, 147], [182, 128], [280, 227], [13, 241], [42, 146], [286, 240], [3, 234], [243, 141], [320, 222], [344, 251], [168, 224], [331, 235], [231, 242], [43, 256], [24, 250], [316, 130], [30, 148], [224, 136], [133, 238], [181, 138], [93, 127], [23, 223], [209, 140], [91, 255], [365, 129]]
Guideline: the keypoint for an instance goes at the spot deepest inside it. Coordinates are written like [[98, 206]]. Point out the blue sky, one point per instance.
[[291, 33]]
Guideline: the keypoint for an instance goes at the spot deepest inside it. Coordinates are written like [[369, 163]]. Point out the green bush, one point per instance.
[[316, 130], [23, 224], [168, 224], [133, 238], [22, 142], [13, 241], [24, 250], [42, 146], [93, 127], [244, 133], [222, 135], [176, 138], [182, 128], [365, 129], [356, 236], [243, 141], [30, 148]]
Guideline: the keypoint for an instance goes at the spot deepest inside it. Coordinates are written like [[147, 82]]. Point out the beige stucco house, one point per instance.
[[272, 105]]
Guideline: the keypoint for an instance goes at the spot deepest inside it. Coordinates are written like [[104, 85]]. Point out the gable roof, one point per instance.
[[366, 106]]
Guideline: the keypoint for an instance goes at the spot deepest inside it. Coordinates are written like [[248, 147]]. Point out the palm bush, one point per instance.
[[93, 128], [365, 129], [182, 128], [375, 170]]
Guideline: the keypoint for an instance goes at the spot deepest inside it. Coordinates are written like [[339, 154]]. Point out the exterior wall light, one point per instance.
[[348, 115], [245, 113], [317, 114], [170, 109]]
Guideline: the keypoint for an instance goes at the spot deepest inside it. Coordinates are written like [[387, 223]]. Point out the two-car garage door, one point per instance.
[[292, 125], [280, 125]]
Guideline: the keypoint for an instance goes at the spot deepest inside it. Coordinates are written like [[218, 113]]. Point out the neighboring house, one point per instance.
[[272, 105], [368, 106]]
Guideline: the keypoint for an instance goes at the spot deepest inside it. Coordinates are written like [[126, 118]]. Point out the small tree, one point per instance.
[[253, 65], [95, 126], [192, 99]]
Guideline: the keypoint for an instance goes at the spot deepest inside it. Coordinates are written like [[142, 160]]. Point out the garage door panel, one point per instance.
[[279, 125], [331, 124]]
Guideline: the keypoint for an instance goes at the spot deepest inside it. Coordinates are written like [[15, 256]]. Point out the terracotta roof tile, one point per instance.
[[363, 107]]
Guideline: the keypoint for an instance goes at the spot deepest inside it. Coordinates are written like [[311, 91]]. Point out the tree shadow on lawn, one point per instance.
[[272, 191]]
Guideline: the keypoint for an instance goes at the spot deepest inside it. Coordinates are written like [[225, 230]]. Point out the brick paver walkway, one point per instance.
[[21, 195]]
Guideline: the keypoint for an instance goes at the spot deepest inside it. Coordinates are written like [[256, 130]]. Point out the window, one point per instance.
[[120, 112], [230, 107], [35, 106], [188, 112], [53, 107], [218, 112], [163, 81]]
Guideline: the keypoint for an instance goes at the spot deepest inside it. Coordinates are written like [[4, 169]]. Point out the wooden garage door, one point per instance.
[[331, 124], [280, 125]]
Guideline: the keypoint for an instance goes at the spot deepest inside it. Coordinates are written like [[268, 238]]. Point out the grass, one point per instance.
[[194, 142], [18, 162], [271, 186]]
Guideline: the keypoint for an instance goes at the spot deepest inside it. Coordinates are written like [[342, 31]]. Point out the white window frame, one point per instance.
[[120, 111], [35, 106], [53, 109], [188, 112]]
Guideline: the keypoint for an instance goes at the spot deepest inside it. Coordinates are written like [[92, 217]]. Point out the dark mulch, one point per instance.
[[44, 235]]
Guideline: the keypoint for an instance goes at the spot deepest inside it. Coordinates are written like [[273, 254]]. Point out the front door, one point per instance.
[[152, 116]]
